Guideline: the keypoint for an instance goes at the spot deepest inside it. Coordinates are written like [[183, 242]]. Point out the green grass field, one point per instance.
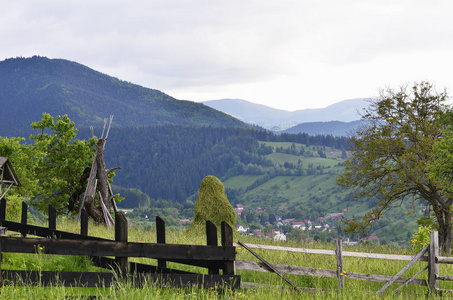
[[271, 286]]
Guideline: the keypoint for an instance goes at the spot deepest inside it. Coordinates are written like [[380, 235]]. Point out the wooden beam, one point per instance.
[[332, 252], [211, 240], [160, 232], [24, 217], [269, 266], [316, 272], [400, 273], [411, 279], [121, 236], [118, 249], [46, 232], [98, 279], [227, 241], [433, 269], [340, 274]]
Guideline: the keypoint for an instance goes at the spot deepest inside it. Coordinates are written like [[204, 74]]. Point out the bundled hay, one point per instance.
[[212, 204]]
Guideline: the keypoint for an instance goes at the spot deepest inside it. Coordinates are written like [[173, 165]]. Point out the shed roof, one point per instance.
[[7, 174]]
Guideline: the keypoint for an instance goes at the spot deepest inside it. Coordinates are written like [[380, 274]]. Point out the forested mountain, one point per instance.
[[31, 86], [169, 162]]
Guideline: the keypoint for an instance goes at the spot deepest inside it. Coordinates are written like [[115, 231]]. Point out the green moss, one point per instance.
[[212, 204]]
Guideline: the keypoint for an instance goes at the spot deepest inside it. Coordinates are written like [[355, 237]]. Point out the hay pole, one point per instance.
[[269, 266]]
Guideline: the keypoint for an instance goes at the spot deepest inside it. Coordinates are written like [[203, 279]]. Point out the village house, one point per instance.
[[299, 225], [287, 221], [242, 229], [257, 232]]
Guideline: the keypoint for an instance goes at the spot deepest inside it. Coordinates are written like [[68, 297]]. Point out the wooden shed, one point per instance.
[[8, 176]]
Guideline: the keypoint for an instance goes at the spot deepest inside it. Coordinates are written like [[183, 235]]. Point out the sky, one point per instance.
[[284, 54]]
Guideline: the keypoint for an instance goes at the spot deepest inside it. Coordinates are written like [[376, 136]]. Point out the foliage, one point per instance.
[[421, 238], [63, 162], [22, 158], [391, 154], [212, 205], [442, 164]]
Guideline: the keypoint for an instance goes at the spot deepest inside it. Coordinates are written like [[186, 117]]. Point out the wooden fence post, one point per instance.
[[211, 240], [84, 223], [433, 266], [24, 217], [3, 209], [227, 240], [160, 232], [1, 258], [52, 218], [121, 236], [338, 252]]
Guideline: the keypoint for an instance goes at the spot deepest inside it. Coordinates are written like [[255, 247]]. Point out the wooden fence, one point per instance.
[[432, 258], [53, 241]]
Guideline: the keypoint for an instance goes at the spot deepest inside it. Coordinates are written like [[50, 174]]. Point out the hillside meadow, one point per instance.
[[269, 286]]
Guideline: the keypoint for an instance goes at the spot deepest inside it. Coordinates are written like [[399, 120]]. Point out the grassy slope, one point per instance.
[[319, 189]]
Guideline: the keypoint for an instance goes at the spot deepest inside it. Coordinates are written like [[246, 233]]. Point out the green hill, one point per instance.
[[309, 191], [31, 86]]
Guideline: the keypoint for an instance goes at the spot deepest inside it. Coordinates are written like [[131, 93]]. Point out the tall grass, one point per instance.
[[269, 285]]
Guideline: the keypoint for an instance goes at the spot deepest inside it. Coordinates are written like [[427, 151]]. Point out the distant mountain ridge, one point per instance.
[[31, 86], [278, 119], [335, 128]]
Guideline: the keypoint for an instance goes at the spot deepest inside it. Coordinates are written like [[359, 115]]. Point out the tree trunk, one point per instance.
[[445, 230]]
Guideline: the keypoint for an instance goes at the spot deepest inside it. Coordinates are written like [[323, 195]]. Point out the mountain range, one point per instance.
[[278, 120], [31, 86]]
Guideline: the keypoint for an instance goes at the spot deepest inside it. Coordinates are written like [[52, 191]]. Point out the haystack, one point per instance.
[[212, 204]]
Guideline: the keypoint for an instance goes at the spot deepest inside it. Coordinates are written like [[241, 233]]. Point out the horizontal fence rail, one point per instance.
[[332, 252], [317, 272]]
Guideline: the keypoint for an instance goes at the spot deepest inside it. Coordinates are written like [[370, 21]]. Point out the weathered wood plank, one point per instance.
[[134, 267], [46, 232], [332, 252], [398, 275], [270, 266], [160, 233], [444, 277], [52, 218], [121, 236], [433, 269], [24, 217], [411, 279], [227, 240], [306, 271], [118, 249], [444, 260], [94, 279], [340, 274], [211, 240]]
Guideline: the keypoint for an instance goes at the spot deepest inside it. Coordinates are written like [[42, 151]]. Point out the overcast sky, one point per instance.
[[284, 54]]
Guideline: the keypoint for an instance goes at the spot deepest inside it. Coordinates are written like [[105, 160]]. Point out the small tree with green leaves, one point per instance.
[[390, 156], [60, 164]]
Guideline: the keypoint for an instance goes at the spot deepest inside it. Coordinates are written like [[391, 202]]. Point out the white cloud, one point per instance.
[[287, 54]]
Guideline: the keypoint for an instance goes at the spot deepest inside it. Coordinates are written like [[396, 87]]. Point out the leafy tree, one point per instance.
[[391, 154], [22, 159], [60, 164]]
